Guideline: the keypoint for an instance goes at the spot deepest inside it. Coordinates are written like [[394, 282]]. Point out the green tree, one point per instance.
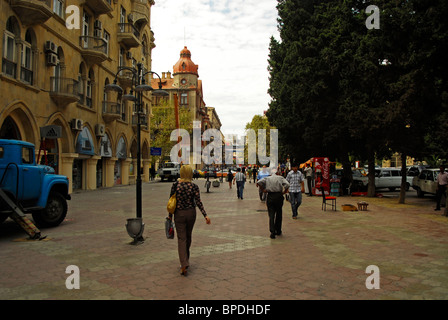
[[163, 122], [340, 89]]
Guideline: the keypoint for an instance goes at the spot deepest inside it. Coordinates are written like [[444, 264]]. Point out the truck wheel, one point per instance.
[[54, 213], [3, 217]]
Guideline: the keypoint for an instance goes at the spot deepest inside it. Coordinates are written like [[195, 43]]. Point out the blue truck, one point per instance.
[[27, 187]]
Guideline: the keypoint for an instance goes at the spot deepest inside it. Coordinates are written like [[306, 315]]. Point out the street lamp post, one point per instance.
[[135, 226]]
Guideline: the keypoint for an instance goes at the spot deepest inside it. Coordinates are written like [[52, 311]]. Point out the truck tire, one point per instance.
[[54, 213], [3, 217]]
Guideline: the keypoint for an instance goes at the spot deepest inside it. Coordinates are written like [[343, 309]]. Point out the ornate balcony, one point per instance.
[[125, 78], [94, 49], [100, 6], [111, 111], [32, 11], [140, 13], [128, 35], [64, 91], [143, 122]]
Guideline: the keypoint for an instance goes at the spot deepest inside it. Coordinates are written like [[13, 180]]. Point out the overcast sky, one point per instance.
[[229, 40]]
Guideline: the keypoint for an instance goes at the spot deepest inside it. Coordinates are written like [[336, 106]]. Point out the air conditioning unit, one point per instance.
[[100, 130], [77, 124], [50, 46], [52, 59], [98, 25], [129, 55], [97, 33]]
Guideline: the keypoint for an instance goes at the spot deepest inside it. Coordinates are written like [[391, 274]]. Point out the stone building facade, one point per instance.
[[54, 75]]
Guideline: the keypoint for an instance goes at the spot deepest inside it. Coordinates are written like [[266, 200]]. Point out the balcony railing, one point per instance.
[[128, 35], [111, 111], [64, 90], [94, 49]]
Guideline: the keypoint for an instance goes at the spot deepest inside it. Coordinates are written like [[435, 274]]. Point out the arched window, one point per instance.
[[9, 61], [26, 70], [89, 88], [81, 82]]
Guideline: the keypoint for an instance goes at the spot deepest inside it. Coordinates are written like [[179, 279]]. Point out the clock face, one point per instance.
[[183, 81]]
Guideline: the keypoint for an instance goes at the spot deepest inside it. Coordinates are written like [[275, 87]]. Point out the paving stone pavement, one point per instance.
[[321, 255]]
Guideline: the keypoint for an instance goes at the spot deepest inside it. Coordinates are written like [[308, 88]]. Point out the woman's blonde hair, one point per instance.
[[186, 173]]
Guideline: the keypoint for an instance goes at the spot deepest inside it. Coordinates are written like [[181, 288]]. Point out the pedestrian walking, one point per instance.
[[295, 178], [254, 173], [263, 173], [275, 186], [309, 178], [152, 173], [240, 179], [442, 182], [230, 178], [249, 174], [187, 198]]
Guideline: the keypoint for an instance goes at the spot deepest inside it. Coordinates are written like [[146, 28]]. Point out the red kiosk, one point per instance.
[[321, 169]]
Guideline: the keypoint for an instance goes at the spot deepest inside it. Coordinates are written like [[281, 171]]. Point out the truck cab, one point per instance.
[[35, 188]]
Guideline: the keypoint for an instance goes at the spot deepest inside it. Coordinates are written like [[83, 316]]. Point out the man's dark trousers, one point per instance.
[[275, 203], [439, 194]]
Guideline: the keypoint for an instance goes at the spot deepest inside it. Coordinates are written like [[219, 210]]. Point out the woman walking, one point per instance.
[[187, 198]]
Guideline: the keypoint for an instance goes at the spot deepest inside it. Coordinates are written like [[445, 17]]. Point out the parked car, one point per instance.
[[210, 171], [426, 182], [385, 178]]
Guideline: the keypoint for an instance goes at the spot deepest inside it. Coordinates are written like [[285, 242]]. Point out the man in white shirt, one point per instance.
[[295, 178], [309, 176], [442, 182], [240, 179], [275, 186]]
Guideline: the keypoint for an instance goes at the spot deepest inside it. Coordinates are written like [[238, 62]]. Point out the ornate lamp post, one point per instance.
[[135, 226]]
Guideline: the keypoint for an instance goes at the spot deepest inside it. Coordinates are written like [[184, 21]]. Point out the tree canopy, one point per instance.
[[340, 89]]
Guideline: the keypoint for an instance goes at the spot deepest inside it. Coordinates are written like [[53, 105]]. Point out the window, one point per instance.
[[1, 152], [386, 173], [89, 89], [121, 58], [58, 7], [85, 29], [106, 38], [27, 155], [9, 64], [396, 173], [81, 84], [122, 19], [26, 71], [429, 175], [184, 98]]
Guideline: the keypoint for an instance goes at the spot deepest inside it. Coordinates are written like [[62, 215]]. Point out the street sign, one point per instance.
[[156, 151]]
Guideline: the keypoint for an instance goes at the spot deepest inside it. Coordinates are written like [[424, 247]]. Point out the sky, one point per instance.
[[229, 40]]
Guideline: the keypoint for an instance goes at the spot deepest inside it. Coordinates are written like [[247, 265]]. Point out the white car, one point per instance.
[[385, 178], [426, 182]]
